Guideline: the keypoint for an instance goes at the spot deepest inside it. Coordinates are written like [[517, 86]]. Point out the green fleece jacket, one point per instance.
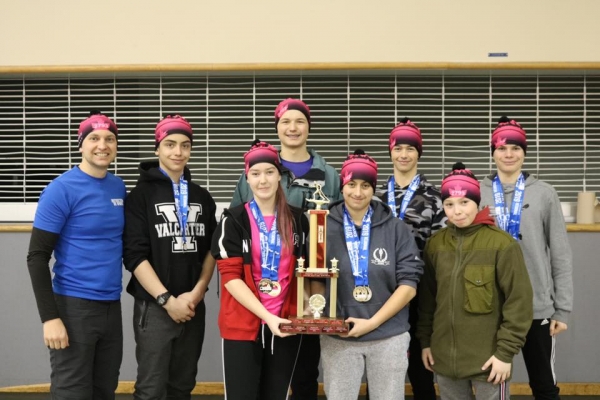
[[475, 298]]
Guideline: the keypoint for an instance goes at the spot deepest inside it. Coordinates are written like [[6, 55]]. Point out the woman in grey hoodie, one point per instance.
[[530, 211], [379, 271]]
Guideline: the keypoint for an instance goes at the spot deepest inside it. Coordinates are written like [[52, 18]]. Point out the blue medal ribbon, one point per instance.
[[358, 248], [509, 221], [181, 197], [408, 195], [270, 244]]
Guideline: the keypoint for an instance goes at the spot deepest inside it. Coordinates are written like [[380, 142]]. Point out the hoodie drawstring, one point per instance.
[[262, 334], [272, 343]]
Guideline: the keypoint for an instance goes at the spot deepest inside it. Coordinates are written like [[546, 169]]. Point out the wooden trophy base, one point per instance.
[[309, 325]]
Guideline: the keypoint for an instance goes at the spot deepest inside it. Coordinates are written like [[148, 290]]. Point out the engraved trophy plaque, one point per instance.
[[315, 323]]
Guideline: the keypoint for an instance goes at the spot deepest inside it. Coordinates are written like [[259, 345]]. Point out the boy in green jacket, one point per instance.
[[476, 301]]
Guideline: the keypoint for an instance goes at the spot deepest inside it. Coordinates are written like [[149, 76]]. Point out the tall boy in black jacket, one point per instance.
[[169, 222]]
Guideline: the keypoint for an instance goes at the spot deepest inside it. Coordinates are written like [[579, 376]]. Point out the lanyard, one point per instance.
[[358, 249], [270, 244], [180, 194], [509, 222], [410, 192]]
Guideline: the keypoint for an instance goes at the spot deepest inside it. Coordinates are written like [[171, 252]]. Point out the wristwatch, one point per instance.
[[162, 299]]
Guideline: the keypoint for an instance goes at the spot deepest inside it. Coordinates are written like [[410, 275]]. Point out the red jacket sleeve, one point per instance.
[[230, 268]]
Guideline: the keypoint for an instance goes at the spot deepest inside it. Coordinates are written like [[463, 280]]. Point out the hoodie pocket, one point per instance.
[[479, 288]]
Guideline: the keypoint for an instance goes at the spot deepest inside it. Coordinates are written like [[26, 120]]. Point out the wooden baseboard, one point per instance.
[[216, 388]]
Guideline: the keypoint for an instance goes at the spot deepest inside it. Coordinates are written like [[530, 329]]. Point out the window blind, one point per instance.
[[456, 112]]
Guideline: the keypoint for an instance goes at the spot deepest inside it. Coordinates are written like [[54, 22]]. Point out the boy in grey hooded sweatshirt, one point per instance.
[[529, 209]]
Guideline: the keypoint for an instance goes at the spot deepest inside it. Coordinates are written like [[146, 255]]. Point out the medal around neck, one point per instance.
[[267, 286], [362, 294], [264, 286], [275, 289], [316, 323]]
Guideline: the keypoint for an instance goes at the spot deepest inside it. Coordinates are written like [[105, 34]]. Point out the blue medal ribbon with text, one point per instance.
[[180, 195], [410, 192], [270, 244], [358, 248], [509, 221]]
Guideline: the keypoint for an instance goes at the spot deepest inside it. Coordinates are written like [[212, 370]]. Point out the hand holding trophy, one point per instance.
[[316, 324]]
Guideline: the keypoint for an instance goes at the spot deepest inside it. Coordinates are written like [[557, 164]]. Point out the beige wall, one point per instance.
[[135, 32]]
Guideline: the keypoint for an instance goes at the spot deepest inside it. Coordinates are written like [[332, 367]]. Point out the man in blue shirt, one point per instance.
[[80, 219]]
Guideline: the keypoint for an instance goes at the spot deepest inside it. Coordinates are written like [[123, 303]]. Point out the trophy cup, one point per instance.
[[316, 324]]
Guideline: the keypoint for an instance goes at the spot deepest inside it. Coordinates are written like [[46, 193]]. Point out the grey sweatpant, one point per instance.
[[344, 362], [462, 389]]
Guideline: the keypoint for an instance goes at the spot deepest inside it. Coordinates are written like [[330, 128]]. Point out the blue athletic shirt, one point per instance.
[[88, 215]]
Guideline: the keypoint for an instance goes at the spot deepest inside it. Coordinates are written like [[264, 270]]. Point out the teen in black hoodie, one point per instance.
[[171, 267]]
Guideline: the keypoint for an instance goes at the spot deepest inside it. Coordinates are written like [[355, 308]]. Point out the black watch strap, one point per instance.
[[162, 299]]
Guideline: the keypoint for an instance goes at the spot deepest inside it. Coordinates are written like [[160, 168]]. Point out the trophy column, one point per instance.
[[318, 229]]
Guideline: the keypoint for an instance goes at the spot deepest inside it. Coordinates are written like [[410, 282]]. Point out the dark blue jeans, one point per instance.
[[89, 368]]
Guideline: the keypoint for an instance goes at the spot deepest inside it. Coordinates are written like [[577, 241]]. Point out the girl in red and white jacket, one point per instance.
[[256, 246]]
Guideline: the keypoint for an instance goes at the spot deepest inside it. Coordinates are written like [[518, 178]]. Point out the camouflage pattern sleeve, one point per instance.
[[439, 216]]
